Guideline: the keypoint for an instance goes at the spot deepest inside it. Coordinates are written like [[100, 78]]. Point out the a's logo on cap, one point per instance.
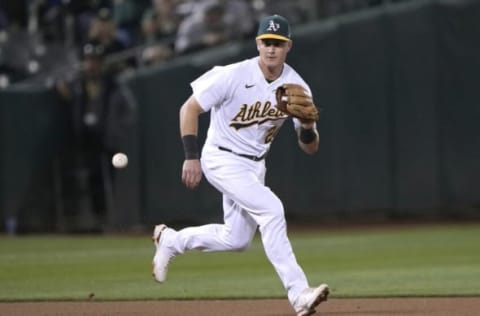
[[272, 26]]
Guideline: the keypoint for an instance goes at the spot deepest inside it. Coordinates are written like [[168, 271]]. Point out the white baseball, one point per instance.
[[119, 160]]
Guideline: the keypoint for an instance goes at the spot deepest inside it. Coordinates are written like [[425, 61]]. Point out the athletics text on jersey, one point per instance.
[[242, 105]]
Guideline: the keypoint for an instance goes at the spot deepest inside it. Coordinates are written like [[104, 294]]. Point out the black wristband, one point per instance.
[[190, 147], [307, 135]]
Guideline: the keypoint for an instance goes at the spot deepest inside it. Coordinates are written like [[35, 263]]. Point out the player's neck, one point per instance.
[[271, 73]]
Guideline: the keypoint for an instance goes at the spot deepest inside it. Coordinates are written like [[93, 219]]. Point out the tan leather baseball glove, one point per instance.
[[293, 100]]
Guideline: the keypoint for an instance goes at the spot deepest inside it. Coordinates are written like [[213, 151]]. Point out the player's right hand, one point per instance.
[[191, 173]]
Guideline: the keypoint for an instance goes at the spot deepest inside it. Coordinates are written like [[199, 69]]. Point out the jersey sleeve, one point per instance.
[[211, 88]]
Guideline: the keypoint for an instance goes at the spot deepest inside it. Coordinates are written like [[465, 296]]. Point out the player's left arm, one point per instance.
[[308, 137]]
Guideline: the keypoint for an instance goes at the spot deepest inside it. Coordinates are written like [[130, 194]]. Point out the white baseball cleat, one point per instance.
[[163, 255], [309, 299]]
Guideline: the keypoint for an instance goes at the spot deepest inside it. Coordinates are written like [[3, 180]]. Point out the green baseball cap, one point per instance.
[[274, 27]]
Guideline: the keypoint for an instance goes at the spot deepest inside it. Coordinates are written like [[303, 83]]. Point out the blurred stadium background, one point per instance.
[[397, 82]]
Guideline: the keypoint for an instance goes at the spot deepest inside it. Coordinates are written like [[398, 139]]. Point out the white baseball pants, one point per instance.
[[247, 203]]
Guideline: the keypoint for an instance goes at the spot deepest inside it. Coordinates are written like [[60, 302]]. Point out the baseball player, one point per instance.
[[244, 101]]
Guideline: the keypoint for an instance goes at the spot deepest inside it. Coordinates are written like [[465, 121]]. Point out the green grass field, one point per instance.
[[416, 261]]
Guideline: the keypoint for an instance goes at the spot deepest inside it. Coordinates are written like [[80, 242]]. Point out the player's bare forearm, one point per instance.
[[310, 139], [189, 113]]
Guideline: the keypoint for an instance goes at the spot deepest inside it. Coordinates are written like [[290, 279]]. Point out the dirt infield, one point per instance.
[[457, 306]]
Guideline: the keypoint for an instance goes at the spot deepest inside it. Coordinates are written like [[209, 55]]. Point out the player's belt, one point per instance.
[[251, 157]]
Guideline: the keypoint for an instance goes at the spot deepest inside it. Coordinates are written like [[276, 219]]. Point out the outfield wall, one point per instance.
[[398, 88]]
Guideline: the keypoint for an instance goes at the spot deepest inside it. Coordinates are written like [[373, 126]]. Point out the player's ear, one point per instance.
[[259, 43], [289, 45]]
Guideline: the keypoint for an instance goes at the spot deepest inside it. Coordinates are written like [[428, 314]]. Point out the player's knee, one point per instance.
[[236, 240], [275, 216], [276, 209], [241, 244]]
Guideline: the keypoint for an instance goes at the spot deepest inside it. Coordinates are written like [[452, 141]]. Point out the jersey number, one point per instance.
[[271, 133]]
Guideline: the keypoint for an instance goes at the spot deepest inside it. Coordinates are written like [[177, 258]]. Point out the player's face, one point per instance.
[[273, 52]]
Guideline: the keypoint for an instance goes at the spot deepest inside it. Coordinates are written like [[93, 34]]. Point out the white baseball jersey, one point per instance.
[[244, 117]]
